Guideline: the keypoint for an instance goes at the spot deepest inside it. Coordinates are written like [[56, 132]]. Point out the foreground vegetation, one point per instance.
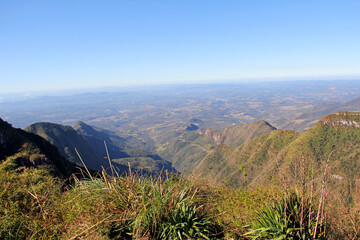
[[36, 205]]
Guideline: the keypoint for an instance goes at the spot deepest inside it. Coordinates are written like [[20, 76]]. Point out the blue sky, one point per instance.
[[66, 44]]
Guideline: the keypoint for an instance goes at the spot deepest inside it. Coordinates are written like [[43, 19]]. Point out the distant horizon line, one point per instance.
[[205, 82]]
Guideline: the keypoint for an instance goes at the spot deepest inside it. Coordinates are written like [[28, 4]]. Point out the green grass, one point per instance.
[[290, 217]]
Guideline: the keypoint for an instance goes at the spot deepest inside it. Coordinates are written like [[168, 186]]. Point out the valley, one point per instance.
[[241, 145]]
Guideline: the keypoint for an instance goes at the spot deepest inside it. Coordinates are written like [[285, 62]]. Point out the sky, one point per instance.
[[67, 44]]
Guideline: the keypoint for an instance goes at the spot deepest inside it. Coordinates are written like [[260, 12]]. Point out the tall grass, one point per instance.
[[138, 207], [35, 205]]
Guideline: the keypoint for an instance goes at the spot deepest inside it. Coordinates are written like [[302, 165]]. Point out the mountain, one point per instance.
[[190, 147], [236, 135], [66, 139], [236, 166], [90, 143], [121, 150], [30, 150], [95, 137], [272, 156]]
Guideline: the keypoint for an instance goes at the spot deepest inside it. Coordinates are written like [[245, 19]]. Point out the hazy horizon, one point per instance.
[[59, 45], [115, 88]]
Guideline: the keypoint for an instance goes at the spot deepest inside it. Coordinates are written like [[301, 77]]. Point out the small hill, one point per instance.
[[30, 150], [189, 148]]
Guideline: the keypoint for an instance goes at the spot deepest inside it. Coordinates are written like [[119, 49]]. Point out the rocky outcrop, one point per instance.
[[347, 119], [238, 134], [215, 135]]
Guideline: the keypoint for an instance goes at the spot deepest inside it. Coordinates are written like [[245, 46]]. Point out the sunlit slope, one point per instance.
[[280, 154], [238, 166], [189, 148]]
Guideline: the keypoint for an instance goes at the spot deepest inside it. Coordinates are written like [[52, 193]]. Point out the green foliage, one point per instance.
[[28, 198], [239, 166], [185, 221], [236, 208], [288, 218]]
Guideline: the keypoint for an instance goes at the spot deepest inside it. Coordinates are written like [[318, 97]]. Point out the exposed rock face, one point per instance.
[[34, 160], [238, 134], [214, 135], [342, 123], [348, 119]]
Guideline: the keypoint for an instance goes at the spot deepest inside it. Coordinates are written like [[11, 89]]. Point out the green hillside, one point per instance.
[[238, 134], [338, 133], [272, 156], [189, 148], [238, 166]]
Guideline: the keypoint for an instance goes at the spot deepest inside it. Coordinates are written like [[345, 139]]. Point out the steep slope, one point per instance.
[[30, 150], [95, 137], [338, 133], [282, 153], [189, 148], [89, 142], [67, 139], [120, 151], [238, 166], [186, 150], [236, 135]]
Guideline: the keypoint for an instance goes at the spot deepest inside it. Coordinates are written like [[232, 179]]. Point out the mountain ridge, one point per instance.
[[188, 148], [270, 156], [31, 150], [90, 143]]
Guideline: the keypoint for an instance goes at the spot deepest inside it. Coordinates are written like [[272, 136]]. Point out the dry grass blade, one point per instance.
[[88, 229], [108, 156], [83, 164]]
